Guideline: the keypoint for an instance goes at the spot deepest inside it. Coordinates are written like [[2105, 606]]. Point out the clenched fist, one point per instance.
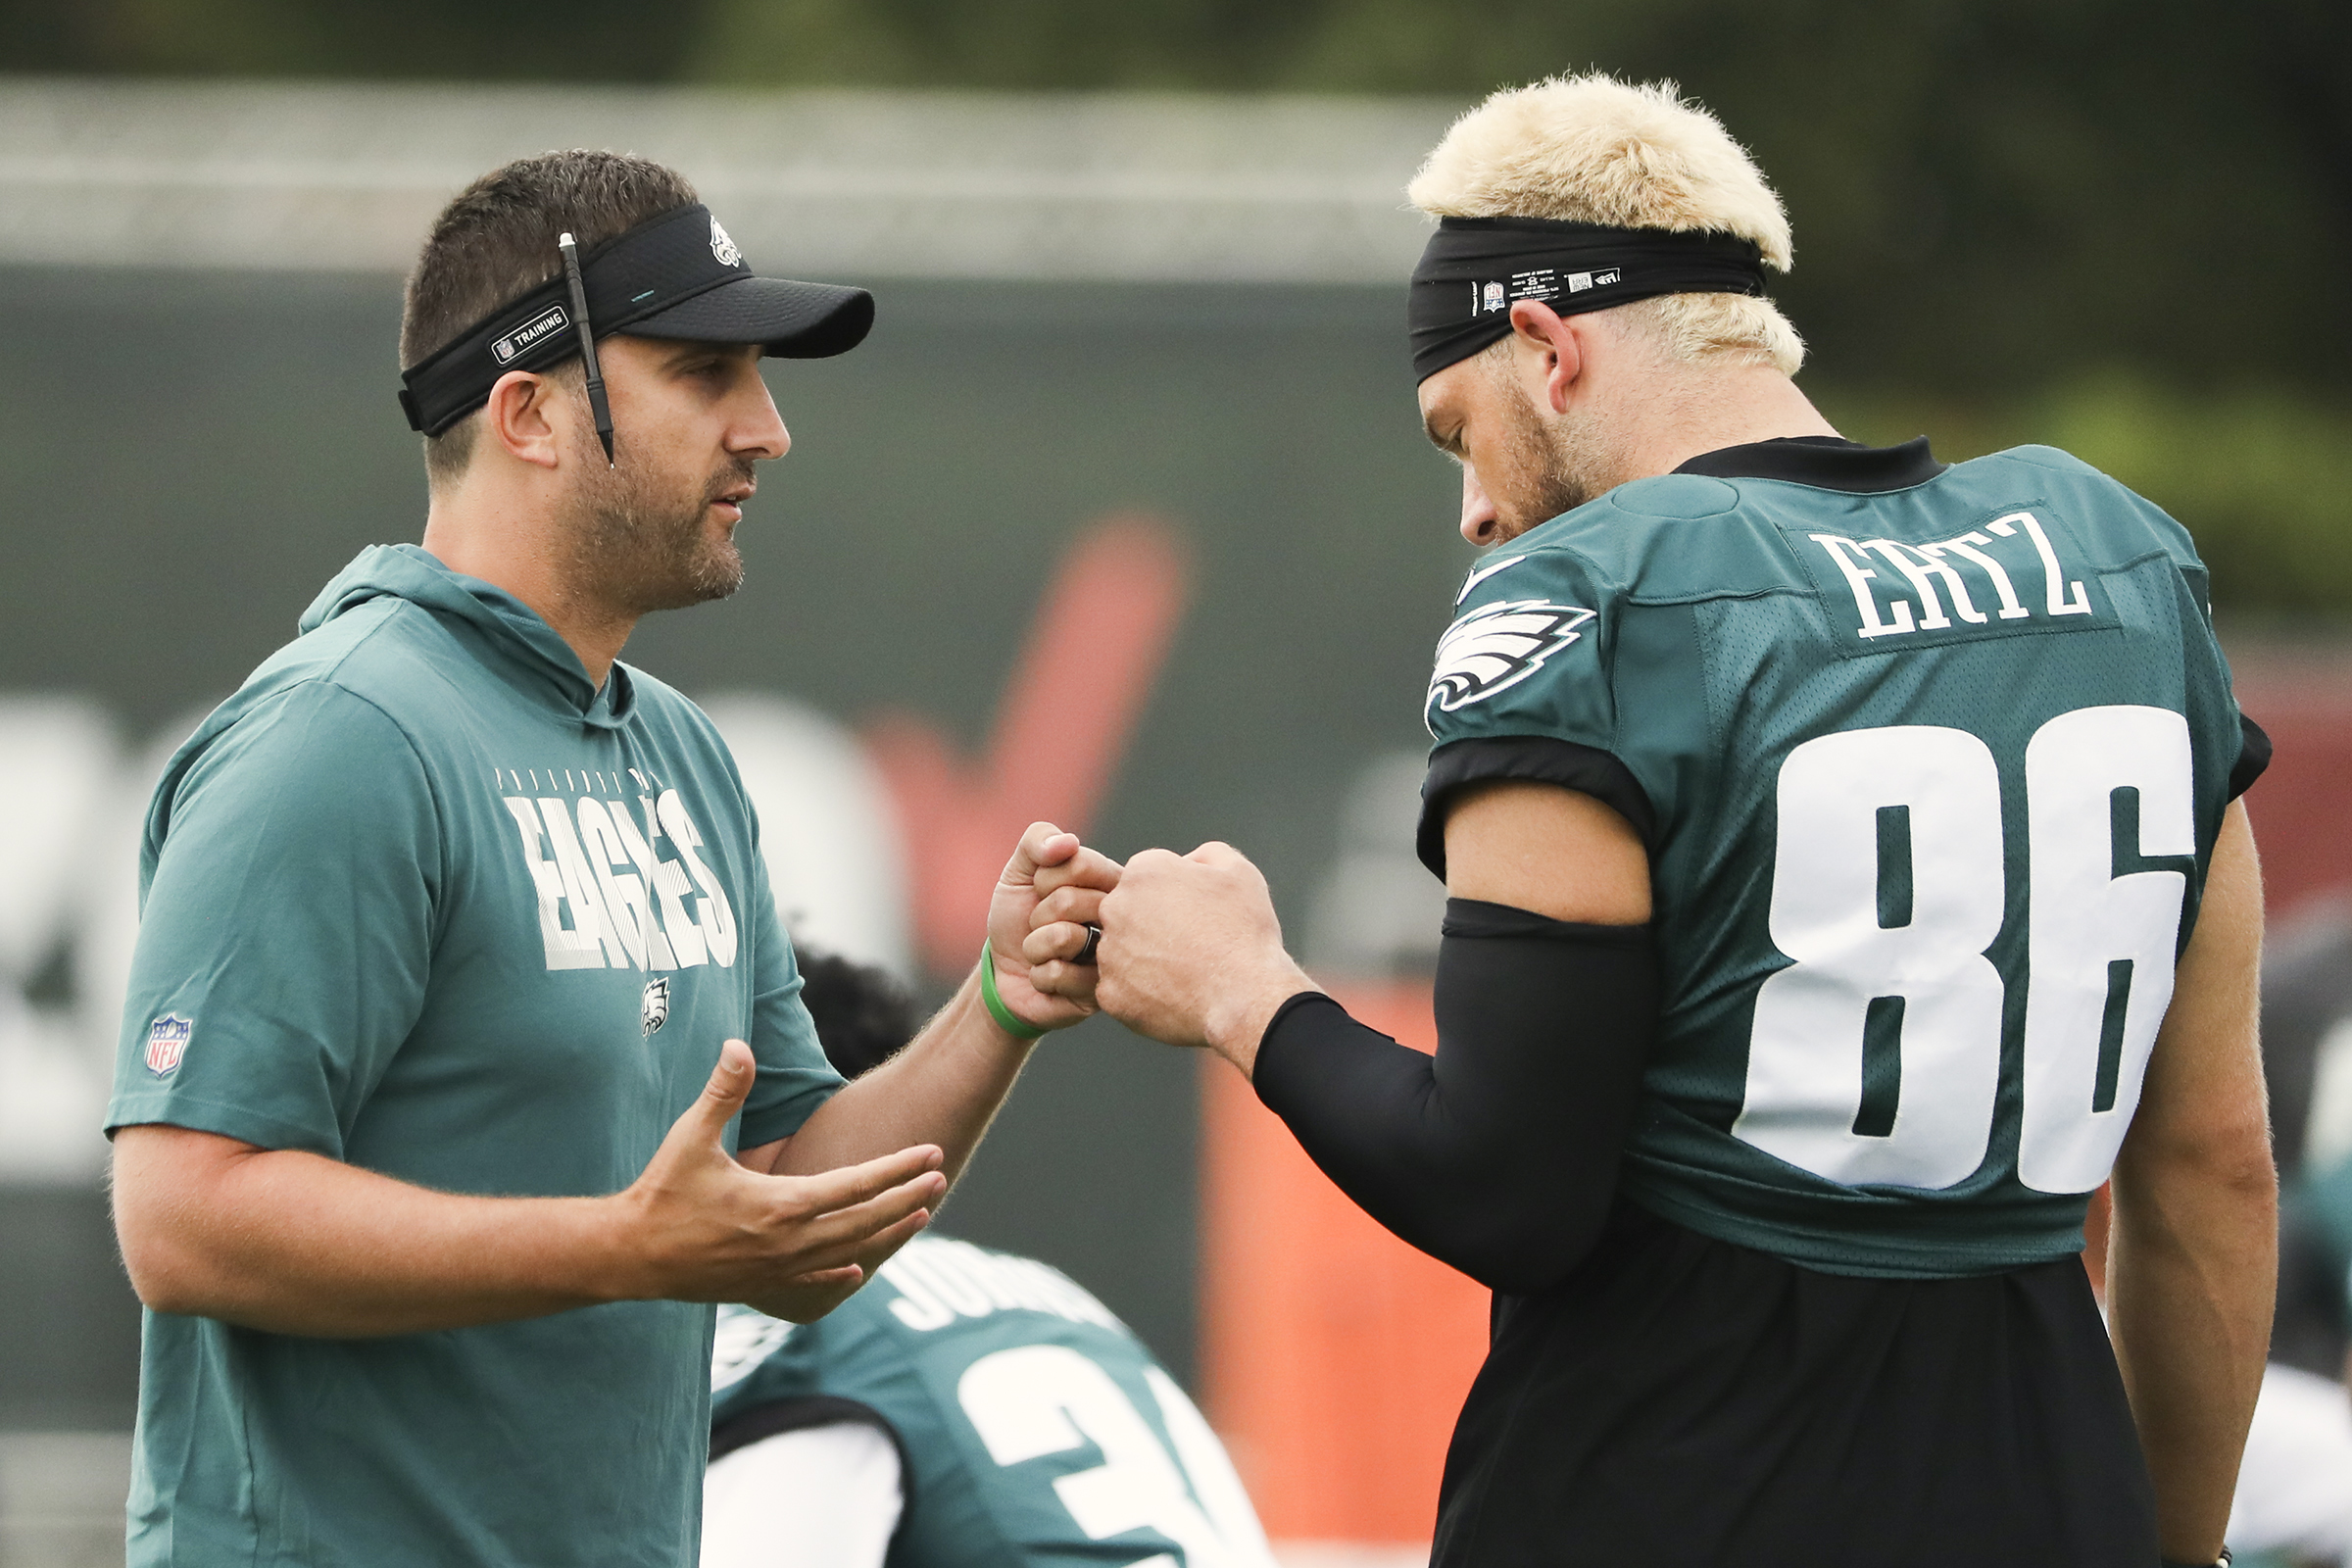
[[1191, 953]]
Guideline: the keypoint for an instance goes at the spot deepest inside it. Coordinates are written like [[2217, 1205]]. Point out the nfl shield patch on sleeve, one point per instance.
[[167, 1042]]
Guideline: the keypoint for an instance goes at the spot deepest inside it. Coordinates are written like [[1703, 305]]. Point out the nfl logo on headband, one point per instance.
[[167, 1042]]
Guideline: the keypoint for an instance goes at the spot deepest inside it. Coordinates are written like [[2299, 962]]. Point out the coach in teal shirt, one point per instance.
[[445, 874], [434, 1139]]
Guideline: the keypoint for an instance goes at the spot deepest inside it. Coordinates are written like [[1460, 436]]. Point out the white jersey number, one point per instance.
[[1875, 1055], [1038, 1399]]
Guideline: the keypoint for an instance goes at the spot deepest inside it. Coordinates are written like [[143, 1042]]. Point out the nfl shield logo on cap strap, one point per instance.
[[167, 1042]]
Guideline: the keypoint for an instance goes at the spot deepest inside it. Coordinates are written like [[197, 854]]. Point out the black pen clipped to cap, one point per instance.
[[597, 404]]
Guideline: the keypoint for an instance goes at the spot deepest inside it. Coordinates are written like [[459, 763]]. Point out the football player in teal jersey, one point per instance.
[[969, 1409], [1846, 877]]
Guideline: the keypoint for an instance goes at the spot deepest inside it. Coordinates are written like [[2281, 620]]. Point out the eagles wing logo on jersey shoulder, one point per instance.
[[1497, 646]]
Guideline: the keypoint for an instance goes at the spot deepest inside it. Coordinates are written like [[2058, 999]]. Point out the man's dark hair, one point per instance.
[[496, 242], [864, 1014]]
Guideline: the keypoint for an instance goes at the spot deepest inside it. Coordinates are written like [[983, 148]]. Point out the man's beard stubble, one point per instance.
[[1556, 464], [644, 546]]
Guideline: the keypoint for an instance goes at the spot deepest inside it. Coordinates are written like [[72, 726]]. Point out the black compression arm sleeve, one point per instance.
[[1499, 1155]]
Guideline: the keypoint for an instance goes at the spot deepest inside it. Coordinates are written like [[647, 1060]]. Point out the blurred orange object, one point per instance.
[[1334, 1357]]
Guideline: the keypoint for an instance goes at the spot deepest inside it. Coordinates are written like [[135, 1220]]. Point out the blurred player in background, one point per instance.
[[1845, 876], [464, 1062], [969, 1409]]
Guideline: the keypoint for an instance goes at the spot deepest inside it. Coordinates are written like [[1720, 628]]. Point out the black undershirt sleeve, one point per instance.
[[1499, 1156]]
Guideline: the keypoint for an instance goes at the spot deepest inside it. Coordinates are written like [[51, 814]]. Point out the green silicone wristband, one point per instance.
[[1008, 1020]]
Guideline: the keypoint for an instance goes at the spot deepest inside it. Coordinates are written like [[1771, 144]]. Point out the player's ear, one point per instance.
[[520, 418], [1553, 344]]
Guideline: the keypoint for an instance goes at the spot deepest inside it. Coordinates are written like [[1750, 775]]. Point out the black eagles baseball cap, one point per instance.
[[678, 276]]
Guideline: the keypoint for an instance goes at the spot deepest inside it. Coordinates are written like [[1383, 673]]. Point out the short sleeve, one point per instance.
[[2253, 757], [286, 935], [1521, 689], [794, 1077]]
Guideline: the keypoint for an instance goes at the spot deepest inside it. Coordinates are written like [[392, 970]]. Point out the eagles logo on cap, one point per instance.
[[678, 276], [722, 247]]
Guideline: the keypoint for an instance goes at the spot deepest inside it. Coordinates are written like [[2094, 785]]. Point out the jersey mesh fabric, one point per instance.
[[1722, 637]]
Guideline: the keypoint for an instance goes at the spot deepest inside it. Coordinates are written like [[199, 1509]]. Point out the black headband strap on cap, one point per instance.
[[1474, 268], [628, 278], [677, 276]]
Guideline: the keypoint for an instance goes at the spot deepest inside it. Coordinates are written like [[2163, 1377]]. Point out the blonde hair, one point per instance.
[[1596, 150]]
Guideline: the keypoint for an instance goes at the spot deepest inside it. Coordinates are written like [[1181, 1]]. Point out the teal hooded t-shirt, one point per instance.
[[422, 899]]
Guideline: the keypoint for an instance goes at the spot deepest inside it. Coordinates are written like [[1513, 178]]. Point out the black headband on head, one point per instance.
[[677, 276], [1476, 269]]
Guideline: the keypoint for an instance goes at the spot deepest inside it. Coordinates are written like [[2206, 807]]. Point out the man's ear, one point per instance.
[[1549, 345], [520, 418]]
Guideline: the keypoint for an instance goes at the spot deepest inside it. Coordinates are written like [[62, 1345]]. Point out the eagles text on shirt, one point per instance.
[[608, 896]]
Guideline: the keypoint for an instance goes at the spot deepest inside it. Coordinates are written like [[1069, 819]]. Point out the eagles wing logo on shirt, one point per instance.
[[654, 1011], [1497, 646]]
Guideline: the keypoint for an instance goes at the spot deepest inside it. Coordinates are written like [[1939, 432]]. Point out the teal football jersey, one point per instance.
[[1034, 1427], [1930, 773]]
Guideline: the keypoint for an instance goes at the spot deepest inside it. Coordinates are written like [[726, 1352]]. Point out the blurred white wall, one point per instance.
[[880, 185], [1377, 913], [826, 827]]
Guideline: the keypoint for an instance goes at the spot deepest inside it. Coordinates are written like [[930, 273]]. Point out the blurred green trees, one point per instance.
[[1981, 188], [2128, 220], [604, 40]]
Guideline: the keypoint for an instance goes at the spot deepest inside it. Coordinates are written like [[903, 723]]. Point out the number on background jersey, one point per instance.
[[1875, 1056], [1038, 1399]]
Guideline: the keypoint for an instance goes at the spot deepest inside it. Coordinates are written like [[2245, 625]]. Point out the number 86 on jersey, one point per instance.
[[1875, 1055]]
